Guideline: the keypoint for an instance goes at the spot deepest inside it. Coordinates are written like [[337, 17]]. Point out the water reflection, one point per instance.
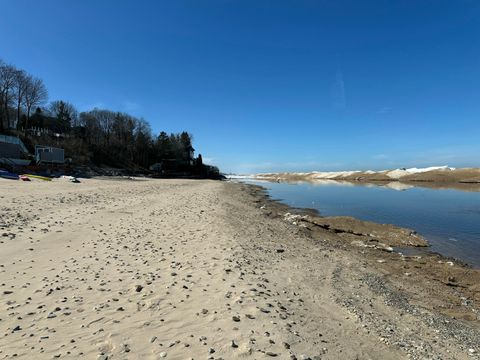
[[394, 185]]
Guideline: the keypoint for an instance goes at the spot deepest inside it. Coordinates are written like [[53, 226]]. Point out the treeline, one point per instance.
[[99, 136], [115, 137], [20, 92]]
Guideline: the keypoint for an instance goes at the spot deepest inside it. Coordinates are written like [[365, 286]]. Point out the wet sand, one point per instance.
[[178, 269]]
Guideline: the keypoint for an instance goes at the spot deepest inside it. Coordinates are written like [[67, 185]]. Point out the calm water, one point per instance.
[[448, 219]]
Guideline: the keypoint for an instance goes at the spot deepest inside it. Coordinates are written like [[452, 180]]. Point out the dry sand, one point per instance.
[[179, 269]]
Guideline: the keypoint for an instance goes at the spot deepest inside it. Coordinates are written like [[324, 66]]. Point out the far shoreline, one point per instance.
[[436, 177]]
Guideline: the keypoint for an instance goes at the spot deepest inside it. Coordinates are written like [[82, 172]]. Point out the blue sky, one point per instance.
[[269, 85]]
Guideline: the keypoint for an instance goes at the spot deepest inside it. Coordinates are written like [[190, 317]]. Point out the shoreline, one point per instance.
[[457, 274], [433, 282], [343, 224], [197, 268]]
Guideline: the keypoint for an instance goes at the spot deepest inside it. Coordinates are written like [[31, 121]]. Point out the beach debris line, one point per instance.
[[362, 233], [29, 177], [72, 179]]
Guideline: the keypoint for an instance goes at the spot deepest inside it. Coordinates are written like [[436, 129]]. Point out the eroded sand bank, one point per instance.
[[182, 269]]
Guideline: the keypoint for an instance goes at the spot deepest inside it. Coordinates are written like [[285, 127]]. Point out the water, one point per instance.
[[449, 219]]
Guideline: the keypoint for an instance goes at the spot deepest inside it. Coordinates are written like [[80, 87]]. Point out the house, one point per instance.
[[49, 154], [157, 167]]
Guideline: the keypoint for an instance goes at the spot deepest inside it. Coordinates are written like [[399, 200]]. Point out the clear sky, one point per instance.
[[269, 85]]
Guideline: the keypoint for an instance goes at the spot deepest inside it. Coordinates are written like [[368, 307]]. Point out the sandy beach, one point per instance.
[[199, 269]]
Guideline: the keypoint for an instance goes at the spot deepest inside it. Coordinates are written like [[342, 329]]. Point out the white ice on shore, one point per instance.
[[333, 174], [232, 176], [398, 173]]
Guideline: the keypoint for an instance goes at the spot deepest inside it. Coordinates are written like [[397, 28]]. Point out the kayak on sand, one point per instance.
[[8, 175], [38, 177]]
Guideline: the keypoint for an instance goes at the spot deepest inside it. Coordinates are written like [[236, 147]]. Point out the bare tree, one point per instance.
[[2, 64], [1, 98], [143, 142], [35, 94], [21, 80], [105, 120], [143, 126], [93, 131], [7, 83]]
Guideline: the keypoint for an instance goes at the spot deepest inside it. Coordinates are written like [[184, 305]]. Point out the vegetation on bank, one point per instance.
[[98, 137]]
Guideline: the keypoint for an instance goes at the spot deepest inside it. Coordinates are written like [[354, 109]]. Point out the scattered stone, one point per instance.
[[236, 318]]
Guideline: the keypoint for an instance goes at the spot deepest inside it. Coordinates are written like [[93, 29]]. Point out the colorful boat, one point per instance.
[[8, 175], [24, 178], [38, 177]]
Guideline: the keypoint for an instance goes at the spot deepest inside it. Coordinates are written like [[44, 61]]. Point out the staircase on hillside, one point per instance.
[[13, 152]]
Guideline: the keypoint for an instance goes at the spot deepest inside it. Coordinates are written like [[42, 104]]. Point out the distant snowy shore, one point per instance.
[[429, 174]]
